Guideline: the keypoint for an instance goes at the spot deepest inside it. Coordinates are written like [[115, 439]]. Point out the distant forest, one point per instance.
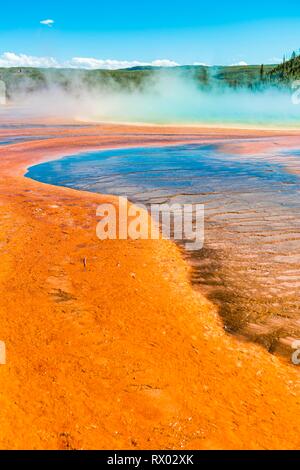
[[26, 79], [288, 70]]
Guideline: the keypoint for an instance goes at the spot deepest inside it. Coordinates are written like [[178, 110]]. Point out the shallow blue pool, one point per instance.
[[250, 263], [145, 174]]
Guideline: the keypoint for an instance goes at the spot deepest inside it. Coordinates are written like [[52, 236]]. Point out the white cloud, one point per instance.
[[164, 63], [241, 63], [10, 59], [47, 22], [110, 64], [201, 63]]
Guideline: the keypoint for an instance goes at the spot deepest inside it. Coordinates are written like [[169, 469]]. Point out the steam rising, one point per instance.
[[161, 98]]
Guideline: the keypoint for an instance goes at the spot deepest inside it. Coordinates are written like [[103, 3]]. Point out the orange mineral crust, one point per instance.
[[121, 353]]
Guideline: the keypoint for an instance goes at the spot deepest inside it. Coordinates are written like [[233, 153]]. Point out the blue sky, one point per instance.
[[187, 31]]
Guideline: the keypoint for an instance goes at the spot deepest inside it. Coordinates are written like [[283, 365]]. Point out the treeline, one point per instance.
[[288, 70], [27, 80]]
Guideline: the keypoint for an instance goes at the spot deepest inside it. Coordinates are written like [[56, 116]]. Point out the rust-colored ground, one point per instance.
[[122, 354]]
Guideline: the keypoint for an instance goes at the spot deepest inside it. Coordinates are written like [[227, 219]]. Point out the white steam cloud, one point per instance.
[[166, 99]]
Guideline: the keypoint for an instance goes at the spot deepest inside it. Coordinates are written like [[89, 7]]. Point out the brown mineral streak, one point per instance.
[[100, 359]]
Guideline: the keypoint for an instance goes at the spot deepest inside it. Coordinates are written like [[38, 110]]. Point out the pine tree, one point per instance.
[[261, 72]]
